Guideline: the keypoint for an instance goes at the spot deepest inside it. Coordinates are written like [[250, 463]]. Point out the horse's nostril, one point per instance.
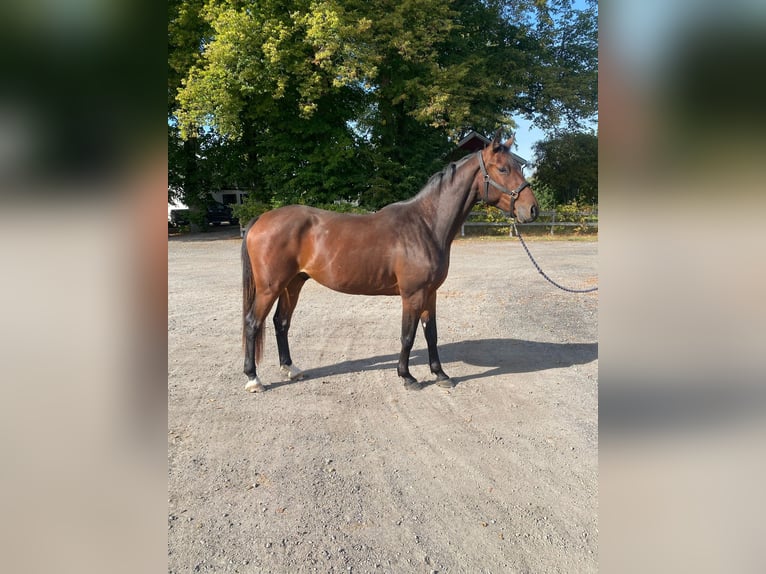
[[533, 211]]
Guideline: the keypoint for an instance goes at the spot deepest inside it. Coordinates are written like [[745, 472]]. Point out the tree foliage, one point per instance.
[[317, 100], [567, 166]]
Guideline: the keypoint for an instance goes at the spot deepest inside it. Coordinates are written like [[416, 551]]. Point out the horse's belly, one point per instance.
[[354, 280]]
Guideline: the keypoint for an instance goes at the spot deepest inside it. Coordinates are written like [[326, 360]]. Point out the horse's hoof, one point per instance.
[[292, 372], [412, 385], [445, 383], [254, 386]]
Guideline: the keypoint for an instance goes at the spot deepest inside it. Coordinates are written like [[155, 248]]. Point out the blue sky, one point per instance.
[[526, 137]]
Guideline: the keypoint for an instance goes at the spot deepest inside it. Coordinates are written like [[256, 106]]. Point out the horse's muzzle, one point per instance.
[[526, 215]]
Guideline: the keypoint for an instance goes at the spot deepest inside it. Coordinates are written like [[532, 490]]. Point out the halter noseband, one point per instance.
[[489, 181]]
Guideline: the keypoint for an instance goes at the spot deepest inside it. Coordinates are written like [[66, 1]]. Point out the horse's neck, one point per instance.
[[449, 204]]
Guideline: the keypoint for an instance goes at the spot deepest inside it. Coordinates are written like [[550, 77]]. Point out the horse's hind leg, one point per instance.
[[254, 323], [282, 317], [253, 383]]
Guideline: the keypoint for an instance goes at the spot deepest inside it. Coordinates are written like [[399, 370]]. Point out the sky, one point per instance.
[[526, 137]]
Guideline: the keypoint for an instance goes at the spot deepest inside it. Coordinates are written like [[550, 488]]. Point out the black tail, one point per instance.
[[248, 283]]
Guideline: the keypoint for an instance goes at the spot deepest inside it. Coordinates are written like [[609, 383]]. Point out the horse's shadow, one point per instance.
[[492, 357]]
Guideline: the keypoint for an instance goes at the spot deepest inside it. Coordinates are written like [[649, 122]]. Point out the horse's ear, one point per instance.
[[509, 143], [496, 141]]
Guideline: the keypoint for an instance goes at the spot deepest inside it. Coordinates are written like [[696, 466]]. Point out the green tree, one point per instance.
[[327, 99], [567, 166], [562, 89], [186, 28]]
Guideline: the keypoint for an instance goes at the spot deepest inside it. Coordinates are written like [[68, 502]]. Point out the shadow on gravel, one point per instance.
[[508, 356], [494, 357]]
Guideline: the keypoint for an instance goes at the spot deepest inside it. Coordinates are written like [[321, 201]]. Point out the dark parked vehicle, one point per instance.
[[215, 214], [179, 217]]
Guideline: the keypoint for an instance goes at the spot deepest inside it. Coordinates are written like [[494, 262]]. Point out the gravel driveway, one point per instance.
[[346, 471]]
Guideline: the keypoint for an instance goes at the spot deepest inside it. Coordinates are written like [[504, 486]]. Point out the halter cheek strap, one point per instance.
[[489, 181]]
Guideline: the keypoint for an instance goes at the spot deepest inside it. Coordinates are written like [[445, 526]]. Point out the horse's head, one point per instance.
[[501, 183]]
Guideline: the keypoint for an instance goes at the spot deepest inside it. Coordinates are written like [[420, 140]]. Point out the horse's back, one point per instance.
[[311, 223], [283, 219]]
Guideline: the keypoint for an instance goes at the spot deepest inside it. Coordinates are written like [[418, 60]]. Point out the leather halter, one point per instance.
[[489, 181]]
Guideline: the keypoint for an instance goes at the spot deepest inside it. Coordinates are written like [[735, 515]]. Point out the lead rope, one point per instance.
[[551, 281]]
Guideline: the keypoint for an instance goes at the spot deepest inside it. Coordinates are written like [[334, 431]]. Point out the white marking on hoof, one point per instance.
[[254, 386], [445, 383], [292, 372]]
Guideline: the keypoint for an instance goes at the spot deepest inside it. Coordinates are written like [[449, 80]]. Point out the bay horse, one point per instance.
[[403, 249]]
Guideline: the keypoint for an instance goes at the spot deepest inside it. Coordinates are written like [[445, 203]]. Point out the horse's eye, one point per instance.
[[502, 169]]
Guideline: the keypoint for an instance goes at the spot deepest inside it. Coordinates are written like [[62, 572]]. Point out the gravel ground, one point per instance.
[[346, 471]]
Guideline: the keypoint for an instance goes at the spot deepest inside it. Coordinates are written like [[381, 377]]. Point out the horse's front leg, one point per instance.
[[428, 319], [411, 310]]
